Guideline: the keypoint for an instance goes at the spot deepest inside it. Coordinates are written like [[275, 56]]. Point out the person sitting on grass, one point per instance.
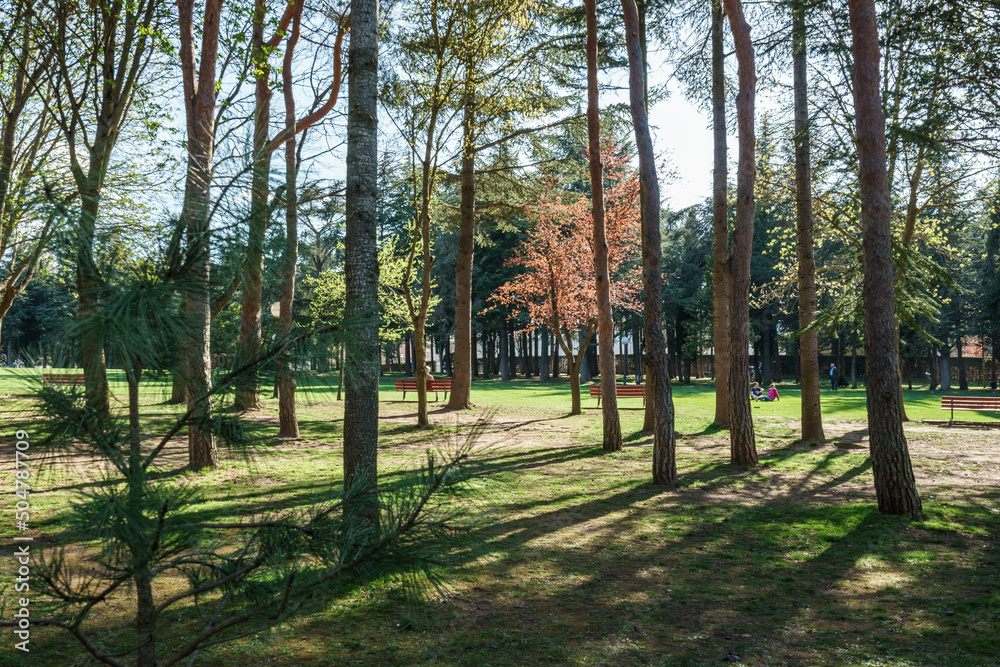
[[756, 393], [772, 393]]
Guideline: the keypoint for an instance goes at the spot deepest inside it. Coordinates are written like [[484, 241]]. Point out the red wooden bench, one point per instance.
[[61, 378], [410, 384], [984, 403], [621, 391]]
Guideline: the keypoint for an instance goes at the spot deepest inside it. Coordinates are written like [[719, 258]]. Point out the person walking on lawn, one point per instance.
[[833, 377]]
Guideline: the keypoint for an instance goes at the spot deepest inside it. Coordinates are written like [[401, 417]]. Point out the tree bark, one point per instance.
[[743, 446], [247, 388], [945, 362], [721, 279], [664, 454], [409, 360], [605, 322], [555, 360], [811, 411], [504, 356], [932, 367], [461, 381], [89, 283], [854, 358], [544, 360], [895, 488], [963, 380], [574, 362], [288, 425], [637, 365], [361, 252], [177, 395], [200, 99]]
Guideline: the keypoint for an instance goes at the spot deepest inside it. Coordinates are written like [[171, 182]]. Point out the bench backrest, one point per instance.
[[970, 403], [624, 390], [410, 384], [62, 378]]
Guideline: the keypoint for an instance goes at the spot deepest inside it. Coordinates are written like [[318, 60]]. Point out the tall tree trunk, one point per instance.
[[638, 365], [361, 251], [177, 395], [288, 425], [504, 356], [945, 363], [854, 358], [894, 484], [555, 359], [535, 356], [200, 99], [248, 384], [409, 359], [420, 343], [543, 360], [605, 322], [664, 454], [743, 446], [932, 367], [88, 280], [721, 278], [811, 411], [993, 358], [623, 348], [963, 380], [841, 350], [982, 360], [574, 362], [461, 380], [145, 613]]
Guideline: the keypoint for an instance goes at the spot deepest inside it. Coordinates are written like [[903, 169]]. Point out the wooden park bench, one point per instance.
[[984, 403], [410, 384], [621, 391], [62, 378]]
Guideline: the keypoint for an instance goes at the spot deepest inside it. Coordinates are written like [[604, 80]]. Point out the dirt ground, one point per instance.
[[948, 462]]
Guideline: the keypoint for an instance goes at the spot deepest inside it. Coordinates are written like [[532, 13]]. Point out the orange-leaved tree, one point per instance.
[[557, 286]]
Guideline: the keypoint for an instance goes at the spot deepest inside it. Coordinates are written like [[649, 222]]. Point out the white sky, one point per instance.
[[684, 133]]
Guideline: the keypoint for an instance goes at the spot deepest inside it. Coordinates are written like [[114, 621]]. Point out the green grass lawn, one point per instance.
[[585, 562]]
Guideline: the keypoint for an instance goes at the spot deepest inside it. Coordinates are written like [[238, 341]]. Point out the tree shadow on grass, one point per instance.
[[637, 436], [781, 582], [711, 429]]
